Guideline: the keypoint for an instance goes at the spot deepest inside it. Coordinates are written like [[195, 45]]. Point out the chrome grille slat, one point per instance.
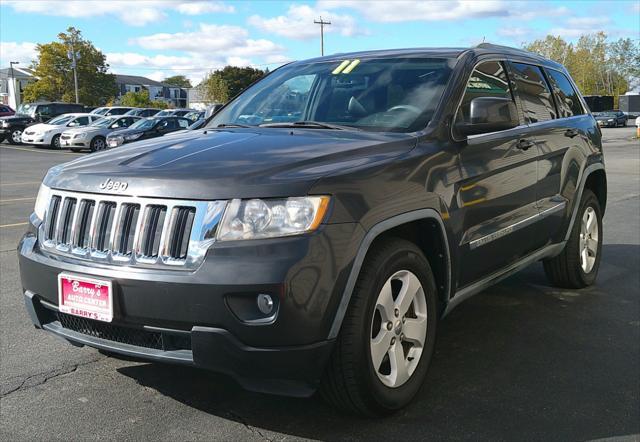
[[126, 230]]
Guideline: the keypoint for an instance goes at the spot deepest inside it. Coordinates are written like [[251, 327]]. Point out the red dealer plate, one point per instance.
[[86, 297]]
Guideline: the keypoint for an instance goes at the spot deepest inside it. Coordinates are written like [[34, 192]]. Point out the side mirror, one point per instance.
[[489, 114]]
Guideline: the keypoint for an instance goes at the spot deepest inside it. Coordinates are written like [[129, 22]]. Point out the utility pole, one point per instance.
[[74, 56], [322, 24]]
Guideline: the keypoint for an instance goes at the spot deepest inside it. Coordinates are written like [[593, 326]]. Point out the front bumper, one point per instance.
[[35, 140], [72, 142], [286, 356]]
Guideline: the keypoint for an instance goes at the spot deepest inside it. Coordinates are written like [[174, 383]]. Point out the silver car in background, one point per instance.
[[94, 136]]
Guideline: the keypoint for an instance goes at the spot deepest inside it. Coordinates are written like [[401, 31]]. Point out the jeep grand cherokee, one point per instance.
[[316, 230]]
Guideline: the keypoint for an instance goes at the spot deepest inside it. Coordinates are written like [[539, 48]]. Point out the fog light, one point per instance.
[[265, 303]]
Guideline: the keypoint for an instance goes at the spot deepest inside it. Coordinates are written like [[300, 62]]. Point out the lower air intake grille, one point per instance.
[[125, 335]]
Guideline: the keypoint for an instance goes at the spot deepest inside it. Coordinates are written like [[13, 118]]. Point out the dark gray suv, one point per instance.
[[316, 230]]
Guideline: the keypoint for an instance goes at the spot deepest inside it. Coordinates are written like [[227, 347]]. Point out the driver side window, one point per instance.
[[489, 79]]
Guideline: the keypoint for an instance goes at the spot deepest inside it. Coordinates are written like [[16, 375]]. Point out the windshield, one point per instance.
[[386, 94], [103, 122], [100, 110], [59, 121], [607, 114], [165, 113], [144, 124], [26, 109]]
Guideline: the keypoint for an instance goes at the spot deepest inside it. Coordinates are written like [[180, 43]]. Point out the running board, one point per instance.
[[475, 288]]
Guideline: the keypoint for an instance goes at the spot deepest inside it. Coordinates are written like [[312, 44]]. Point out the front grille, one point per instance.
[[125, 335], [65, 137], [29, 132], [129, 231]]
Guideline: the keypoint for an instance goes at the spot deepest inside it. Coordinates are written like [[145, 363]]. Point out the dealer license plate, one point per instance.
[[86, 297]]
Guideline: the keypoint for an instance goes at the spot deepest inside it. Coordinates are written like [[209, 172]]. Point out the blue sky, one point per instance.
[[159, 38]]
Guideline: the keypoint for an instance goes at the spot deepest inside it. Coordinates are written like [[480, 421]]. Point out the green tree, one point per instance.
[[141, 99], [598, 67], [178, 80], [215, 89], [238, 79], [55, 75]]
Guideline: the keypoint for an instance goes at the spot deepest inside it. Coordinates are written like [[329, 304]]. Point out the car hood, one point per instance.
[[42, 127], [17, 117], [75, 130], [123, 132], [231, 163]]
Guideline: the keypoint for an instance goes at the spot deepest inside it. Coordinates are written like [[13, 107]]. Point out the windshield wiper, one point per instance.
[[231, 125], [311, 124]]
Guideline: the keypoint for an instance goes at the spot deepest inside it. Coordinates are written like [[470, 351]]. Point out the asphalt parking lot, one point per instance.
[[522, 360]]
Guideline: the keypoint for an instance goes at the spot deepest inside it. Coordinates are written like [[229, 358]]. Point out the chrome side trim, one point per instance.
[[364, 247], [476, 287], [516, 226]]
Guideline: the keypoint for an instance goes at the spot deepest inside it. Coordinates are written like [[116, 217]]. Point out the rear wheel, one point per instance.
[[98, 143], [16, 135], [577, 266], [385, 345]]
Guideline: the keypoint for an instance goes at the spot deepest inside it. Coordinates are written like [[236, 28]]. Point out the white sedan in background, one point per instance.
[[48, 134]]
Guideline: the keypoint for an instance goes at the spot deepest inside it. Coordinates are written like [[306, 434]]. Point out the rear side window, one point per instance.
[[534, 93], [566, 96], [489, 79], [183, 123]]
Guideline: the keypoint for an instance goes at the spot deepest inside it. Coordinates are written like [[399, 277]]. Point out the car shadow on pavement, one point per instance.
[[521, 360]]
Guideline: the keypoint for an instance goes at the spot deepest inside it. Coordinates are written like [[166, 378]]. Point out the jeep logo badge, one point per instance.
[[116, 186]]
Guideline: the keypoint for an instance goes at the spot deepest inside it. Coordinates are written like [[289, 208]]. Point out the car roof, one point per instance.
[[452, 52], [75, 114]]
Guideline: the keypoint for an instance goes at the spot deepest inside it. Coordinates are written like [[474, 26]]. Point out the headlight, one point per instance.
[[256, 218], [132, 137], [80, 136], [41, 201]]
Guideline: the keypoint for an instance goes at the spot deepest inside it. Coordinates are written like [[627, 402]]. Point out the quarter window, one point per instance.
[[489, 79], [566, 96], [534, 93]]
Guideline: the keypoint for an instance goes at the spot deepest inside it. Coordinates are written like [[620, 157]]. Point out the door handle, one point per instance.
[[524, 144], [570, 133]]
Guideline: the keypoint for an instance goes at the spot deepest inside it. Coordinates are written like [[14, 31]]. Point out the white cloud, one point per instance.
[[146, 11], [207, 48], [298, 23], [202, 7], [23, 53], [211, 40], [577, 26], [425, 10]]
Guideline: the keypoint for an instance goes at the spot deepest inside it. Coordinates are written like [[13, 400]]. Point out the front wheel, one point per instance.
[[577, 266], [16, 136], [98, 143], [55, 142], [385, 345]]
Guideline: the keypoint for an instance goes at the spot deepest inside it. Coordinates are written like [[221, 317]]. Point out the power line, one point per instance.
[[322, 24]]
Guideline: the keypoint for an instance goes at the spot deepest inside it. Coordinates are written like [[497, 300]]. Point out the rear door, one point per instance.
[[563, 143], [496, 196]]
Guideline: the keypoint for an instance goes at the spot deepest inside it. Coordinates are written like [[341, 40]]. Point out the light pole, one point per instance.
[[74, 56], [13, 84]]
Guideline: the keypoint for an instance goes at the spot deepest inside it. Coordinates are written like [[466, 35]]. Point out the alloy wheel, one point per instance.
[[398, 329], [99, 144], [16, 136], [588, 239]]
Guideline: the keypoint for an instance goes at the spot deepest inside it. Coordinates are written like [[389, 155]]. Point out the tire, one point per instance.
[[351, 382], [16, 133], [55, 142], [568, 269], [98, 143], [2, 138]]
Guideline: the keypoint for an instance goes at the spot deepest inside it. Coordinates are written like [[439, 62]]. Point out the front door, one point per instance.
[[496, 194]]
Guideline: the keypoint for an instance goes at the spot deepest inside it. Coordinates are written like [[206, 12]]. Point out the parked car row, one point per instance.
[[69, 125]]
